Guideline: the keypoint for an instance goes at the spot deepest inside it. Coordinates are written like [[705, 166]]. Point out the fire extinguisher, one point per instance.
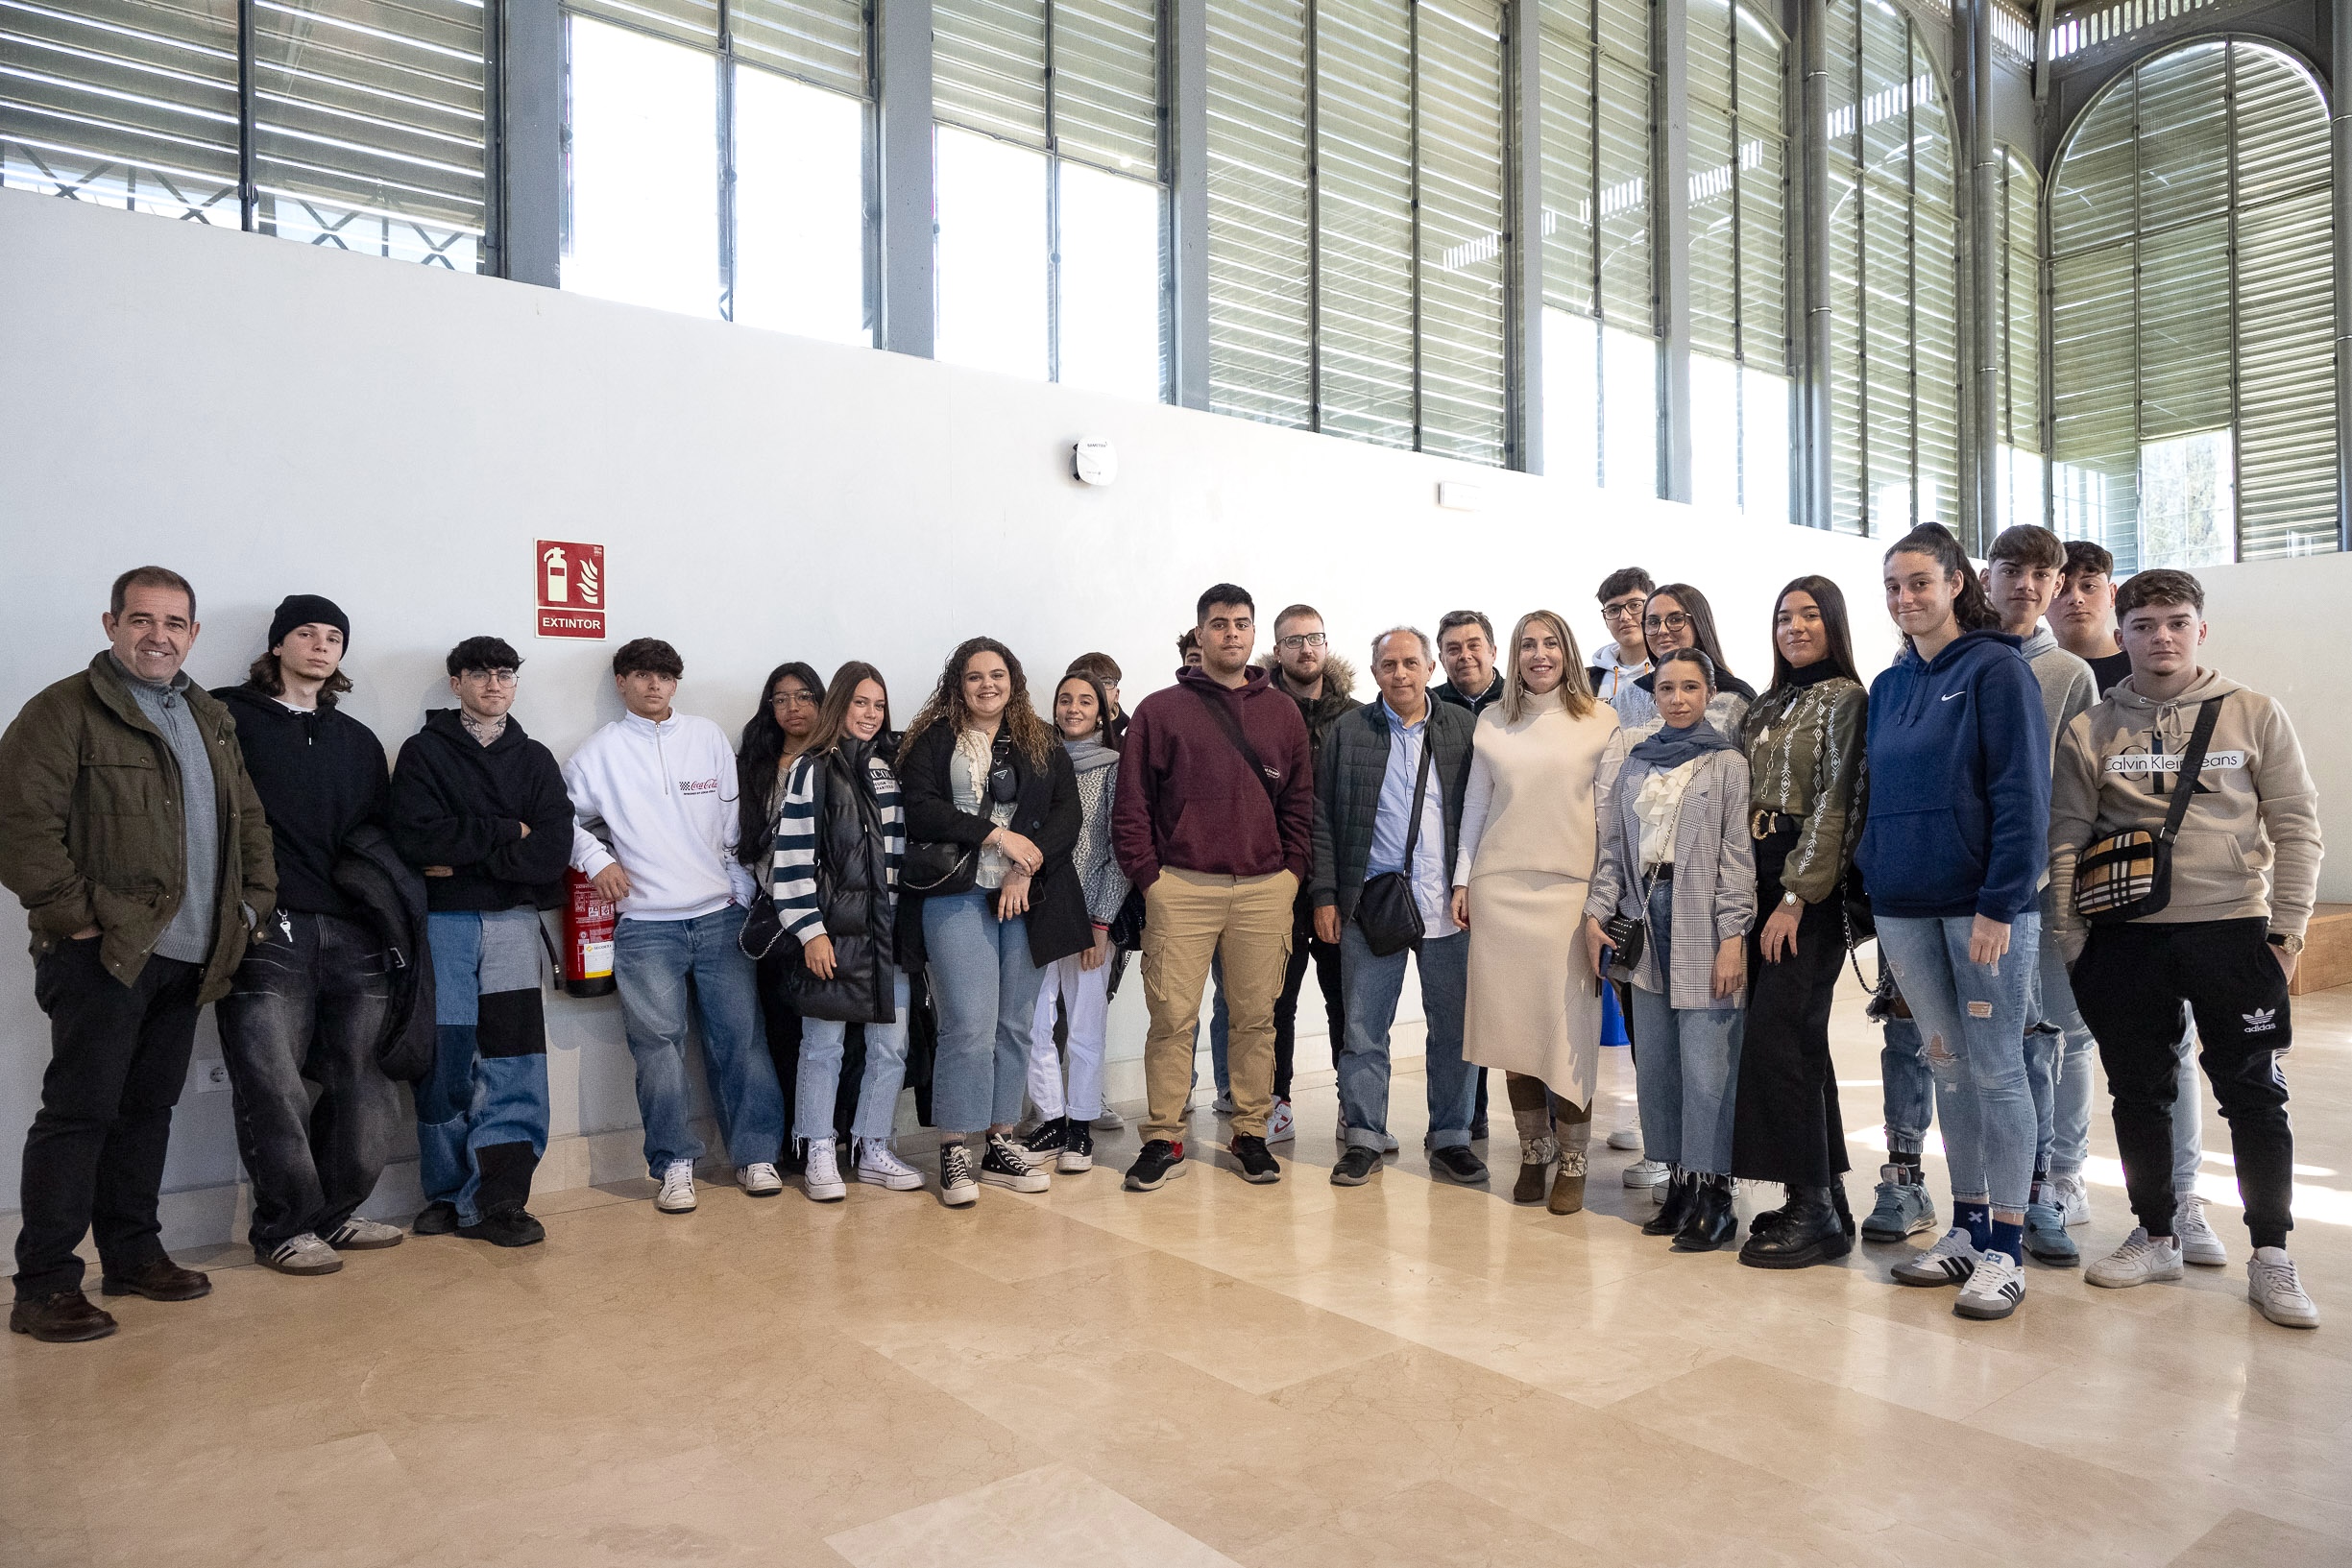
[[588, 921]]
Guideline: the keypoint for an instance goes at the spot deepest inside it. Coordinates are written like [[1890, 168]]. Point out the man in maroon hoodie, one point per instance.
[[1214, 823]]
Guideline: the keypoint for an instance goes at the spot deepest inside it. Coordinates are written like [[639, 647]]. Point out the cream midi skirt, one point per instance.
[[1532, 1008]]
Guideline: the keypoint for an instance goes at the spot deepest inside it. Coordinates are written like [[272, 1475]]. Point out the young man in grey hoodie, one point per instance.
[[2244, 870], [2024, 571]]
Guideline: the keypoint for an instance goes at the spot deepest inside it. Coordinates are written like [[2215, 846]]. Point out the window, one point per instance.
[[1049, 202], [368, 118], [1894, 350], [2192, 265], [1601, 320], [2017, 295], [1357, 254], [1737, 202], [715, 160]]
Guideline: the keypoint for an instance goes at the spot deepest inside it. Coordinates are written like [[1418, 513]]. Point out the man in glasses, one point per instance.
[[1214, 823], [656, 831], [1624, 596], [480, 808], [1323, 686]]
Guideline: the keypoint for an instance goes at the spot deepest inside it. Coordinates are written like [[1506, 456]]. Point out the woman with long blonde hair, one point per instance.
[[1543, 764]]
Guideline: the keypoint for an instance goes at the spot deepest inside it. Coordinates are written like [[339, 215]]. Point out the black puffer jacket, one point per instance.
[[855, 897], [1047, 813]]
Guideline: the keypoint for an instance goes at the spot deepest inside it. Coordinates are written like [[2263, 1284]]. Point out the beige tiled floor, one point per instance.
[[1213, 1374]]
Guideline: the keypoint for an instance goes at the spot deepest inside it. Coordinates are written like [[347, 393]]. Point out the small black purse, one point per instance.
[[1385, 913]]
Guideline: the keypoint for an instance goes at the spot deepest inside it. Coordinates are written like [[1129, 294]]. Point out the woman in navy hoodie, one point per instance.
[[1953, 854]]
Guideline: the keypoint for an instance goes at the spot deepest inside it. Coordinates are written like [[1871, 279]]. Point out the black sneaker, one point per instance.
[[1456, 1160], [506, 1227], [1046, 1140], [435, 1220], [1478, 1133], [1004, 1164], [1355, 1167], [1257, 1165], [1160, 1163], [1077, 1148]]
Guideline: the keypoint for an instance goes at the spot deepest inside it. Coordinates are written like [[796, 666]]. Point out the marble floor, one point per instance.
[[1217, 1373]]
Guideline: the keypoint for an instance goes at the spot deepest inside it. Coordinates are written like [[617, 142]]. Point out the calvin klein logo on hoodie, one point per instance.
[[697, 786], [2172, 761]]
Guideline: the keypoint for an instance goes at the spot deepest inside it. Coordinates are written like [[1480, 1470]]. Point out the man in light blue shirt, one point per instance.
[[1371, 774]]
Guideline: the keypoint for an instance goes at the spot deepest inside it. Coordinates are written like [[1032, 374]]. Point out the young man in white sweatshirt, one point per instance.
[[661, 787], [2223, 944]]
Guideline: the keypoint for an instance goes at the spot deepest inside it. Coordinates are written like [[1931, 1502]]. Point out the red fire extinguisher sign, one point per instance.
[[589, 922], [570, 582]]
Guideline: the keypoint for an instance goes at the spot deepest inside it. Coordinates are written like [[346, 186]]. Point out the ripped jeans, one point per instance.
[[1973, 1020]]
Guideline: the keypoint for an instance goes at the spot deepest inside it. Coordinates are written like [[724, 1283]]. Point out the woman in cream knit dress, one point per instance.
[[1545, 758]]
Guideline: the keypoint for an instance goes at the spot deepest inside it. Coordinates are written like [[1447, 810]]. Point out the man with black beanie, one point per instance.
[[481, 808], [314, 993]]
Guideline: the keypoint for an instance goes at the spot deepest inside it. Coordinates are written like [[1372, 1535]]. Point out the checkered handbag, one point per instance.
[[2129, 876]]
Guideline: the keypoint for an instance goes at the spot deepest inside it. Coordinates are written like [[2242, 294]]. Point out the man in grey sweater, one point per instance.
[[2025, 569]]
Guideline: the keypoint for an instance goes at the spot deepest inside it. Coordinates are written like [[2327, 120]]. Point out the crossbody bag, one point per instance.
[[1386, 910], [2128, 875]]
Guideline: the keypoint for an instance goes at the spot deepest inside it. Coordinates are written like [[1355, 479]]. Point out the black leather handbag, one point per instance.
[[1385, 913]]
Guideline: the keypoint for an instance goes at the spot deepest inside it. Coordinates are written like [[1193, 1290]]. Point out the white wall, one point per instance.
[[268, 418]]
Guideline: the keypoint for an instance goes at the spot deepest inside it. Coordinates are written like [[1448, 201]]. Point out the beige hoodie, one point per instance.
[[2249, 846]]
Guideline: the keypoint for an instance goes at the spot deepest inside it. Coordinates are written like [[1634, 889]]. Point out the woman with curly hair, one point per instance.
[[990, 898]]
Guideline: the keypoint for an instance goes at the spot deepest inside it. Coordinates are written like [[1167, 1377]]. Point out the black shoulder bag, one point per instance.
[[2129, 876], [1267, 775], [1386, 911]]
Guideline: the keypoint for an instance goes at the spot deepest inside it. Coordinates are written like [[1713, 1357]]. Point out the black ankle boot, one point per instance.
[[1837, 1201], [1712, 1220], [1682, 1191], [1810, 1232]]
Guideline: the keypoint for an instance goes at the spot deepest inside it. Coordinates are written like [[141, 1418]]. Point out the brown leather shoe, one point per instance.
[[1568, 1184], [161, 1280], [66, 1317]]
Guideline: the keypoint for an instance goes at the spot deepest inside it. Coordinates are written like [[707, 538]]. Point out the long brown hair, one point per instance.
[[832, 718], [1575, 685], [264, 674], [1830, 601], [1104, 732], [1031, 735], [1692, 603], [1972, 610]]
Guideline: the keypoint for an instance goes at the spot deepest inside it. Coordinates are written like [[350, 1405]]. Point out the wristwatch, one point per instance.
[[1791, 899], [2292, 943]]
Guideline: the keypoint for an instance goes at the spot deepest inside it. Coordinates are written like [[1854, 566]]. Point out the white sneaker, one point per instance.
[[879, 1165], [1646, 1173], [2141, 1258], [1110, 1121], [1223, 1106], [306, 1254], [2198, 1244], [820, 1176], [359, 1235], [1279, 1128], [1949, 1262], [1625, 1138], [1992, 1288], [2068, 1194], [2270, 1284], [758, 1179], [677, 1193]]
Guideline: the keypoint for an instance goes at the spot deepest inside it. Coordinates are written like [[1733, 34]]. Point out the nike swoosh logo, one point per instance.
[[1948, 695]]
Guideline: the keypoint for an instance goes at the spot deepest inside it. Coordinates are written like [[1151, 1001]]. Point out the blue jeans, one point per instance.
[[1685, 1064], [482, 1113], [1973, 1020], [664, 967], [1371, 986], [1907, 1087], [821, 1074], [987, 988], [2059, 1051]]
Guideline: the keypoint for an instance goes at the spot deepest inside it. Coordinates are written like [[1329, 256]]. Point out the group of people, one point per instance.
[[2065, 838]]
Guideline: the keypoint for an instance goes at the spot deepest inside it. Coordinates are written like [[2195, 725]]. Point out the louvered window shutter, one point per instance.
[[1463, 258], [822, 42], [1364, 162], [1260, 243]]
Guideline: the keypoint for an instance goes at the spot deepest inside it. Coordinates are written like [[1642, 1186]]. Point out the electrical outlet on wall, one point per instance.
[[211, 1076]]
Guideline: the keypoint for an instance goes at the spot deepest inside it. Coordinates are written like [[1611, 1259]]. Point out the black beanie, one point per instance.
[[304, 610]]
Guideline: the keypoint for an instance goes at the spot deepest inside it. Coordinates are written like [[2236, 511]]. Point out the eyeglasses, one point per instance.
[[1673, 620], [1304, 639], [792, 699], [495, 677], [1619, 612]]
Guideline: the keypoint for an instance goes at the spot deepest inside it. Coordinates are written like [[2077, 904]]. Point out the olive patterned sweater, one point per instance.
[[1804, 741]]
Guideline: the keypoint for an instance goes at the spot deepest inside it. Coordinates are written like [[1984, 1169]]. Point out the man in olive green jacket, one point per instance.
[[131, 834]]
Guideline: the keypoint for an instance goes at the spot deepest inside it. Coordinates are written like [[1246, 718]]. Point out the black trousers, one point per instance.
[[1305, 948], [781, 1020], [1785, 1124], [2131, 983], [118, 1055]]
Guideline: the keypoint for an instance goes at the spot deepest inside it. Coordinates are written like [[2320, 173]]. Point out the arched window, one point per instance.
[[1894, 333], [2192, 272]]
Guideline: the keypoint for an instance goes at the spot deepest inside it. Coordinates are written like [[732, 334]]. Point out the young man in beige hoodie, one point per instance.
[[2244, 872]]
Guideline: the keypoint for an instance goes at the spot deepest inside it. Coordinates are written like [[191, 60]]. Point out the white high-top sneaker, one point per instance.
[[821, 1177], [879, 1165]]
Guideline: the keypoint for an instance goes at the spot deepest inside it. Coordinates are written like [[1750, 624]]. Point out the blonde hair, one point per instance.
[[1575, 687]]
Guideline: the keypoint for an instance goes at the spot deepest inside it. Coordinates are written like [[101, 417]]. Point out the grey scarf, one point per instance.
[[1089, 753]]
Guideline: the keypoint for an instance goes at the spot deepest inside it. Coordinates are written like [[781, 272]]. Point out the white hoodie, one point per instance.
[[665, 794]]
